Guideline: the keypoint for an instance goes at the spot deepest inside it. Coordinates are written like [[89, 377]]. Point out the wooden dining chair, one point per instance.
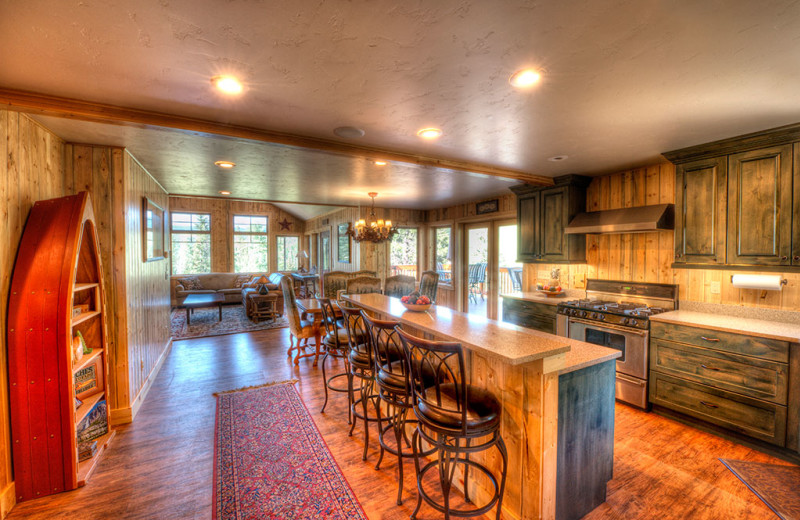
[[429, 284], [398, 285], [363, 285], [299, 329]]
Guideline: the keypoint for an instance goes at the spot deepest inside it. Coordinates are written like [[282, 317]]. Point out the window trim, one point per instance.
[[234, 234], [173, 231], [433, 229]]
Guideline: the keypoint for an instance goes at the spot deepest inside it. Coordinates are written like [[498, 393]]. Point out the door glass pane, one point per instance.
[[477, 261], [509, 273], [403, 252]]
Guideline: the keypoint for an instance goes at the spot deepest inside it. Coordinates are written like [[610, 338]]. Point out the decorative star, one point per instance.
[[285, 224]]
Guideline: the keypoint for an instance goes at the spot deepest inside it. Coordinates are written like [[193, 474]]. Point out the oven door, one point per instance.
[[631, 342]]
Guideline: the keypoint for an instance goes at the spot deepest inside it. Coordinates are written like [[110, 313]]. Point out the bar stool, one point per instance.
[[393, 378], [451, 414], [359, 358], [337, 343]]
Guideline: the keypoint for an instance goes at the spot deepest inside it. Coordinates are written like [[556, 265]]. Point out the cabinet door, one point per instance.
[[528, 210], [554, 218], [796, 203], [760, 207], [700, 211]]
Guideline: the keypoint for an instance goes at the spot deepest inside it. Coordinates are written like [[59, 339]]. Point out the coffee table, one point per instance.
[[199, 301]]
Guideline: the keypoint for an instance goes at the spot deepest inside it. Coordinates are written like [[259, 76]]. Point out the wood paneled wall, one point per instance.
[[222, 212], [31, 168], [647, 257]]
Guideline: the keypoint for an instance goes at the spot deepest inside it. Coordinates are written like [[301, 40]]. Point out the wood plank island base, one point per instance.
[[558, 407]]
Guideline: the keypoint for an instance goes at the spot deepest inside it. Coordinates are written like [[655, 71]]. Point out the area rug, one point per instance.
[[271, 462], [776, 485], [205, 322]]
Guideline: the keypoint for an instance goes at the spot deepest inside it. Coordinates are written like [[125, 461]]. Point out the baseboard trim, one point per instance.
[[128, 414], [8, 499]]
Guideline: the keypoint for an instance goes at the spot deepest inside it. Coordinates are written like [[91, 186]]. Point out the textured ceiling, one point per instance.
[[624, 80]]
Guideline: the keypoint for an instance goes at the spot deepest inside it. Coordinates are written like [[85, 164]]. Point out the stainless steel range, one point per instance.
[[616, 314]]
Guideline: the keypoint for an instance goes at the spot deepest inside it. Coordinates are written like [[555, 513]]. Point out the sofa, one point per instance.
[[234, 286]]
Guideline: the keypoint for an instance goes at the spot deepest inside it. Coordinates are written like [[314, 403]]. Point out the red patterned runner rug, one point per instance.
[[270, 461]]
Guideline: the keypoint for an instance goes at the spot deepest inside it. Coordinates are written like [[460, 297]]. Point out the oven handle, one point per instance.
[[600, 325], [637, 382]]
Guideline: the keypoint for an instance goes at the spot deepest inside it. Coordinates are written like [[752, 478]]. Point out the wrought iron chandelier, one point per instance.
[[374, 230]]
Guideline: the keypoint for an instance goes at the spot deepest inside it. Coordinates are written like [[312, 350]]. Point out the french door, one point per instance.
[[490, 266]]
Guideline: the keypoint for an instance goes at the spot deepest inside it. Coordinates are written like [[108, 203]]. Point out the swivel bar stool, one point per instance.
[[393, 378], [359, 358], [336, 344], [451, 414]]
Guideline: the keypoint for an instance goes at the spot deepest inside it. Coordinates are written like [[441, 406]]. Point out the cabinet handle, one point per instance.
[[710, 368], [677, 255], [796, 257], [708, 404], [713, 340], [784, 257]]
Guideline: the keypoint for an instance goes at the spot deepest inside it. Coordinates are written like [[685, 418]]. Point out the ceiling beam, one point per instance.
[[100, 113]]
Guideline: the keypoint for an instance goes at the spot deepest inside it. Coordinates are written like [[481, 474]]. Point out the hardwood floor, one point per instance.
[[160, 467]]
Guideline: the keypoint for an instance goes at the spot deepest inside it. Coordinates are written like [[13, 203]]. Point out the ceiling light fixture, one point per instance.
[[225, 164], [375, 230], [430, 133], [525, 78], [380, 163], [227, 84], [558, 158], [224, 193]]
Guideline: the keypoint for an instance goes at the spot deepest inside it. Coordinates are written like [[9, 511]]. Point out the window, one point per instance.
[[250, 244], [403, 252], [191, 243], [288, 247], [444, 253]]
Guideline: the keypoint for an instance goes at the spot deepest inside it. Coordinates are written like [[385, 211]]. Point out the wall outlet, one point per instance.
[[579, 281], [715, 287]]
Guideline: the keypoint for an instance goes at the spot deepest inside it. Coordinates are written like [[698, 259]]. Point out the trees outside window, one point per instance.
[[444, 253], [250, 244], [191, 243], [403, 252], [287, 249]]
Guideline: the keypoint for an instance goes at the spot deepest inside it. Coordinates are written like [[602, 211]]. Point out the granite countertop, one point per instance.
[[537, 297], [782, 331], [510, 343]]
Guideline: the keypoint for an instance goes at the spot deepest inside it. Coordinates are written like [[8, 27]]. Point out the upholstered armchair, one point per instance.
[[429, 284], [333, 282], [298, 328], [363, 285], [398, 285]]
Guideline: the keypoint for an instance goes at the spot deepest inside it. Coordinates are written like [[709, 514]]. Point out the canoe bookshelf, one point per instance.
[[56, 293]]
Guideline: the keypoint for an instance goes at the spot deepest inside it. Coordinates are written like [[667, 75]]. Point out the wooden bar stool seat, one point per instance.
[[458, 419]]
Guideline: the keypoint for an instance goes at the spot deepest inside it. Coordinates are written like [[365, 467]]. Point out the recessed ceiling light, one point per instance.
[[227, 84], [430, 133], [348, 132], [224, 193], [225, 164], [380, 163], [525, 78], [557, 158]]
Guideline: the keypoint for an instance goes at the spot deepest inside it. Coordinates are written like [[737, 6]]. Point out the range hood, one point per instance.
[[642, 219]]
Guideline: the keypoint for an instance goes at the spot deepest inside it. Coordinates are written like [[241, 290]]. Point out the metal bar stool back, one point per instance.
[[456, 418], [337, 344]]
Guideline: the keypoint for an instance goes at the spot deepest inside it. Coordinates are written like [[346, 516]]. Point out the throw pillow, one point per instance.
[[240, 280], [191, 283]]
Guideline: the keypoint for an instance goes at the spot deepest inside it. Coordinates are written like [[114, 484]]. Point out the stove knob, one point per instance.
[[633, 322], [624, 321], [594, 315], [583, 314], [601, 317]]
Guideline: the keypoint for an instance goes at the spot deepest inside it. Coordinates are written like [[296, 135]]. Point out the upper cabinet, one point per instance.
[[735, 200], [542, 215]]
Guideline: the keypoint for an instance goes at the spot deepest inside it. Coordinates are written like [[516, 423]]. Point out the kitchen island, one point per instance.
[[558, 406]]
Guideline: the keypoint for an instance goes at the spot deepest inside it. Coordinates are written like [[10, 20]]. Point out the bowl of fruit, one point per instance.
[[549, 290], [416, 302]]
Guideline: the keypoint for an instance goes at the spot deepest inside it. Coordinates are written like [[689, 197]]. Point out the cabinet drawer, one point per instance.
[[762, 348], [758, 419], [748, 376], [537, 316]]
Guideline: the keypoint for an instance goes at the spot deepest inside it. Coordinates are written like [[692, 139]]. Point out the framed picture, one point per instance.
[[344, 244], [487, 206], [152, 231], [89, 380]]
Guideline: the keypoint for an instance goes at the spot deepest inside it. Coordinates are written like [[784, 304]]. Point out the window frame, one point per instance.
[[277, 258], [434, 230], [251, 233], [173, 232]]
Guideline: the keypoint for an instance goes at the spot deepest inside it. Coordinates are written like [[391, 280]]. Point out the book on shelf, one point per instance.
[[95, 424]]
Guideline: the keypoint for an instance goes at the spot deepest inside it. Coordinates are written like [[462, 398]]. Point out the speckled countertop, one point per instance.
[[763, 328], [537, 297], [510, 343]]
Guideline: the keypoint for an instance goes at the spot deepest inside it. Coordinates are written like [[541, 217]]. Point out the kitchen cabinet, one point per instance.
[[735, 200], [537, 316], [543, 213], [701, 211], [735, 381]]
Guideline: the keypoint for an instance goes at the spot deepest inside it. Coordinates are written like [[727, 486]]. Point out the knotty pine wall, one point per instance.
[[32, 168], [222, 212], [647, 257]]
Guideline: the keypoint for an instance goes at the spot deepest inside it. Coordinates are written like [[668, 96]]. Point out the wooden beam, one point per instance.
[[100, 113]]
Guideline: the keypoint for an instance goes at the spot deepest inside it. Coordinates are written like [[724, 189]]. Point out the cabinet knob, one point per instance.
[[796, 257], [677, 255], [784, 257]]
